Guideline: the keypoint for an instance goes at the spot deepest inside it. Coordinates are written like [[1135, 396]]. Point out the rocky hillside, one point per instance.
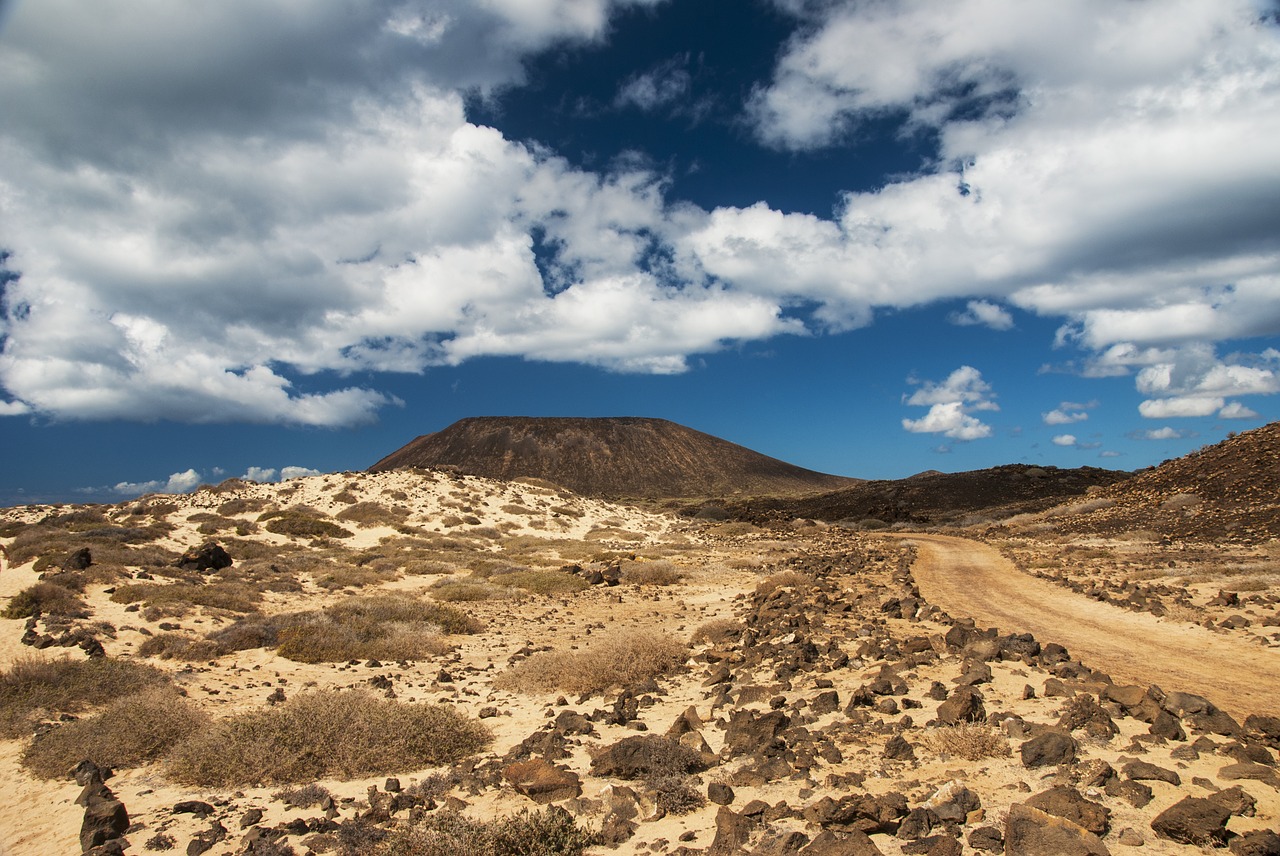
[[1226, 492], [934, 498], [607, 457]]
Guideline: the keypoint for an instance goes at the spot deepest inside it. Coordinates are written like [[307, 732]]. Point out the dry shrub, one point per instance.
[[241, 506], [550, 832], [350, 576], [971, 741], [130, 732], [326, 734], [382, 628], [109, 544], [623, 659], [613, 533], [462, 591], [176, 646], [45, 598], [717, 631], [373, 514], [541, 582], [303, 797], [32, 689], [518, 510], [346, 497], [651, 574], [784, 579], [233, 597], [302, 523]]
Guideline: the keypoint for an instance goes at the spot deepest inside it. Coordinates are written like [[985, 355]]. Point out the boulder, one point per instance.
[[1031, 832], [1066, 802], [1049, 748], [1259, 842], [542, 781], [827, 843], [1193, 820], [964, 704], [733, 831], [209, 556]]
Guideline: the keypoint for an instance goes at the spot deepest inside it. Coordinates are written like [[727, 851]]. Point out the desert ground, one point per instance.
[[424, 662]]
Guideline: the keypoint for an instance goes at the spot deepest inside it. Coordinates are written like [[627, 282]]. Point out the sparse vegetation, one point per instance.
[[550, 832], [623, 659], [234, 597], [325, 734], [131, 731], [384, 628], [46, 598], [32, 689], [302, 523], [373, 514], [970, 740]]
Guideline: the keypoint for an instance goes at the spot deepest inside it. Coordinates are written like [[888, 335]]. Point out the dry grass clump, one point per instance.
[[45, 598], [783, 579], [382, 628], [660, 573], [110, 544], [541, 582], [302, 522], [613, 533], [373, 514], [716, 631], [212, 524], [971, 741], [550, 832], [32, 689], [176, 646], [322, 735], [130, 732], [623, 659], [462, 591], [231, 596], [241, 505], [303, 797]]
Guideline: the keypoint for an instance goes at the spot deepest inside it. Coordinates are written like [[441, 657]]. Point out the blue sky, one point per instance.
[[269, 237]]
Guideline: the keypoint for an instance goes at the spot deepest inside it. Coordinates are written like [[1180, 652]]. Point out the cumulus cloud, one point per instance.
[[1064, 440], [261, 475], [1068, 413], [183, 482], [1165, 433], [982, 313], [208, 205], [1236, 410], [287, 473], [950, 404], [1194, 381]]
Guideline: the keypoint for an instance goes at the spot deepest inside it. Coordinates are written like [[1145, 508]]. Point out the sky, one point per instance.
[[267, 238]]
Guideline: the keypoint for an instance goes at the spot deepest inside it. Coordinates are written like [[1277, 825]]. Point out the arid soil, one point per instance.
[[967, 578], [832, 692]]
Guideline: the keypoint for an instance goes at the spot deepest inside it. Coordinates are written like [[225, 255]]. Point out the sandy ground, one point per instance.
[[967, 578]]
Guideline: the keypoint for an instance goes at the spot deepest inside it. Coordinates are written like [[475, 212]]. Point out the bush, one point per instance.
[[460, 591], [551, 832], [542, 582], [383, 628], [624, 659], [45, 598], [651, 574], [302, 524], [373, 514], [32, 689], [968, 740], [178, 647], [130, 732], [326, 734], [220, 595]]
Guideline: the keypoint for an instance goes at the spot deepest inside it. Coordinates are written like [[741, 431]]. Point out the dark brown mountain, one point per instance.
[[608, 457], [932, 498], [1229, 491]]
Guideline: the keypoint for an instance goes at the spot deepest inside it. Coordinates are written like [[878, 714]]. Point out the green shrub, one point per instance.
[[322, 735], [302, 524]]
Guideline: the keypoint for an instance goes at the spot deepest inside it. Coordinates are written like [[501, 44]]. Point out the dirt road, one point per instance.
[[970, 579]]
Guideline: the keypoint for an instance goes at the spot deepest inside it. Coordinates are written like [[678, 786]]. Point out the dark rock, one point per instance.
[[1049, 748], [964, 704], [733, 831], [105, 818], [1259, 842], [1236, 800], [1264, 729], [828, 843], [1066, 802], [987, 838], [542, 781], [1193, 820], [1147, 772], [896, 748], [1134, 793], [209, 556], [918, 823], [720, 793], [749, 732], [1084, 712], [1166, 725], [1031, 832], [251, 818], [77, 560], [643, 755], [196, 807]]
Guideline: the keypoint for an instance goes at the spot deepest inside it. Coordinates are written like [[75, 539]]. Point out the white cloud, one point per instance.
[[183, 482], [208, 203], [262, 475], [1064, 440], [985, 314], [1180, 406], [950, 404], [287, 473], [1236, 410], [666, 83], [1067, 413], [1165, 433], [1108, 453]]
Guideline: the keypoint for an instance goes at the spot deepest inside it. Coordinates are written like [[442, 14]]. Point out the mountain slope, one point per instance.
[[609, 456]]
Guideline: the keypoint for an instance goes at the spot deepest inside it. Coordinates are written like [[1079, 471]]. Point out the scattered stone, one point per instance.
[[720, 793], [209, 556], [1031, 832], [1066, 802], [1259, 842], [1193, 820], [542, 781], [1049, 748], [1130, 837]]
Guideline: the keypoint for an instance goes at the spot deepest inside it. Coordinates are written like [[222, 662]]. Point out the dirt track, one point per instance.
[[970, 579]]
